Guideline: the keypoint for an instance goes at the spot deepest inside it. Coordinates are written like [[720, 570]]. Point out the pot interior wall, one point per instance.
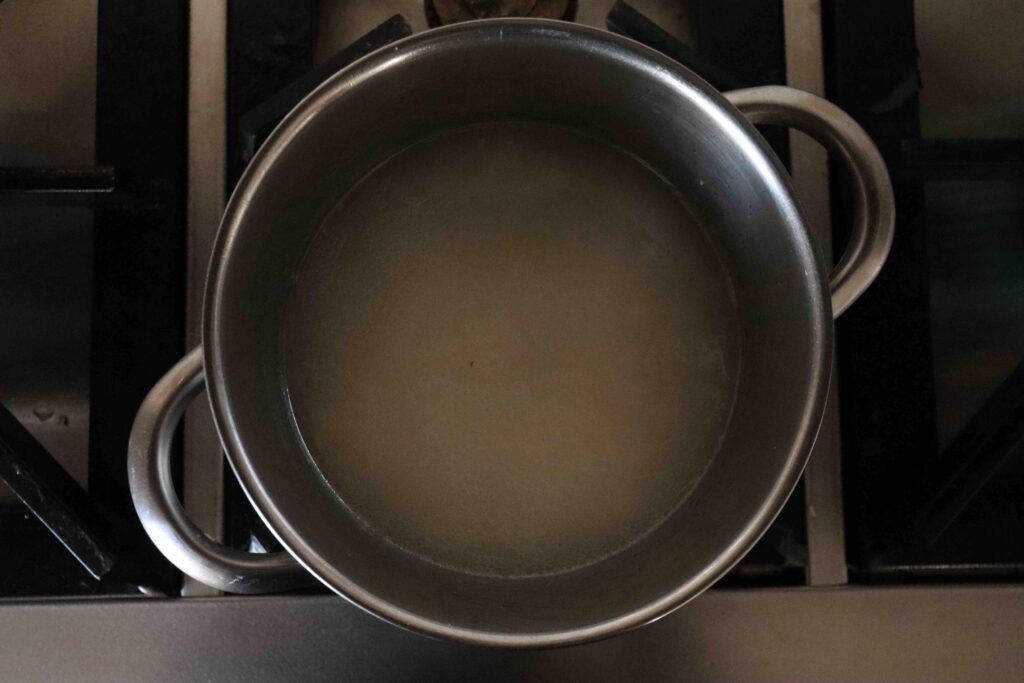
[[631, 98]]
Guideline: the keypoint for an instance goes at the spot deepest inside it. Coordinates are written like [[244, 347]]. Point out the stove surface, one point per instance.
[[899, 557]]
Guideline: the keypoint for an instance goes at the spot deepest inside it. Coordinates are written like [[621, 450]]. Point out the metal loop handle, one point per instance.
[[173, 533], [875, 217]]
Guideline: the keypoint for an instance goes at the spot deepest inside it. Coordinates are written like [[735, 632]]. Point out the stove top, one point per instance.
[[115, 162]]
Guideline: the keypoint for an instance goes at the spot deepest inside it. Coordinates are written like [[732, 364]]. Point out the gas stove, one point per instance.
[[899, 557]]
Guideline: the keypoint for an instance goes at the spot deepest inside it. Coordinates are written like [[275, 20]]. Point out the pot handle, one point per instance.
[[871, 236], [173, 533]]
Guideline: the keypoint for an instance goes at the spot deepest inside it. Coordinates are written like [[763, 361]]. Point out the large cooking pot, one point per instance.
[[705, 151]]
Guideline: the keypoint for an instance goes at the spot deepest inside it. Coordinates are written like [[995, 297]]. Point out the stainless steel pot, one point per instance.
[[699, 140]]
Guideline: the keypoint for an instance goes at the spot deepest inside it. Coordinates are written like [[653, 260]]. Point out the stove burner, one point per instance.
[[441, 12]]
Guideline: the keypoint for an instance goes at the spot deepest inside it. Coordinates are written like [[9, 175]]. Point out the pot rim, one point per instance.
[[654, 64]]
